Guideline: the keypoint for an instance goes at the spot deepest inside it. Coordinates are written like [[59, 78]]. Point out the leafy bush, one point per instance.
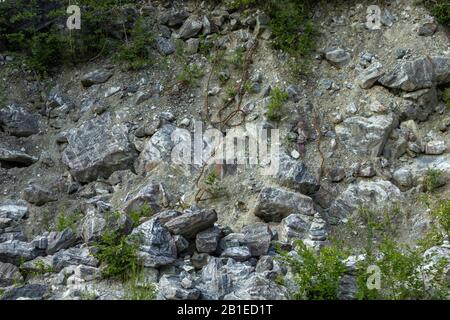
[[118, 254], [277, 99], [190, 74], [144, 211], [439, 9], [317, 275], [432, 179], [67, 220]]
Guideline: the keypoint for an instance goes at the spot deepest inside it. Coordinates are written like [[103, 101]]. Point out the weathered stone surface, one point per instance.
[[157, 246], [98, 148], [14, 210], [27, 291], [16, 157], [220, 276], [294, 227], [257, 238], [365, 136], [96, 77], [157, 149], [370, 76], [96, 222], [164, 46], [258, 287], [418, 74], [73, 257], [9, 274], [15, 252], [374, 195], [237, 253], [190, 28], [174, 17], [38, 194], [60, 240], [207, 240], [17, 121], [338, 57], [192, 221], [294, 174], [171, 289], [274, 204], [153, 195]]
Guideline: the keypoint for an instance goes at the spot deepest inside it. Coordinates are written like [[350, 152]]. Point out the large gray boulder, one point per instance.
[[171, 288], [60, 240], [190, 28], [96, 77], [295, 227], [418, 74], [207, 240], [73, 257], [274, 204], [16, 252], [98, 148], [366, 136], [15, 210], [18, 121], [16, 157], [368, 77], [38, 194], [157, 246], [192, 221], [377, 196]]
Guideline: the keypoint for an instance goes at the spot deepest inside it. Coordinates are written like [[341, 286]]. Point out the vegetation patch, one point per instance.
[[277, 99]]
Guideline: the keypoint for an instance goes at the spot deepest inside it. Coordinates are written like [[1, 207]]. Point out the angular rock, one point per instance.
[[96, 77], [16, 157], [9, 274], [192, 222], [27, 291], [370, 76], [338, 57], [157, 149], [377, 196], [207, 240], [98, 148], [435, 147], [154, 196], [418, 74], [17, 121], [73, 257], [15, 252], [257, 238], [174, 18], [258, 287], [365, 136], [164, 46], [95, 223], [171, 289], [157, 246], [237, 253], [60, 240], [274, 204], [190, 28], [38, 195], [15, 210], [295, 175], [295, 227]]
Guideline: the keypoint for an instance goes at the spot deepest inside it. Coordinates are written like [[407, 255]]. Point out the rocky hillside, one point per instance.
[[93, 205]]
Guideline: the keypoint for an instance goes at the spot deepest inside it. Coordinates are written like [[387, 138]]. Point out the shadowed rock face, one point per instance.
[[98, 148], [18, 121]]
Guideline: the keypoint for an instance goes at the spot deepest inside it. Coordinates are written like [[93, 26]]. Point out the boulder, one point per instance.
[[174, 18], [9, 274], [96, 77], [170, 288], [237, 253], [370, 76], [157, 246], [258, 287], [16, 157], [15, 252], [98, 148], [418, 74], [377, 196], [192, 221], [165, 46], [73, 257], [295, 227], [207, 240], [18, 121], [38, 194], [257, 238], [294, 174], [27, 291], [366, 136], [274, 204], [338, 57], [190, 28], [60, 240], [15, 210]]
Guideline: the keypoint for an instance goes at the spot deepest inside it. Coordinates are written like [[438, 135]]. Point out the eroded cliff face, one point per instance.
[[366, 128]]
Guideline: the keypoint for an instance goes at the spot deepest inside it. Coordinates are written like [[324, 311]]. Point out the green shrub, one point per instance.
[[137, 289], [432, 179], [68, 220], [317, 274], [144, 211], [190, 75], [277, 99], [446, 97], [119, 255], [439, 9]]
